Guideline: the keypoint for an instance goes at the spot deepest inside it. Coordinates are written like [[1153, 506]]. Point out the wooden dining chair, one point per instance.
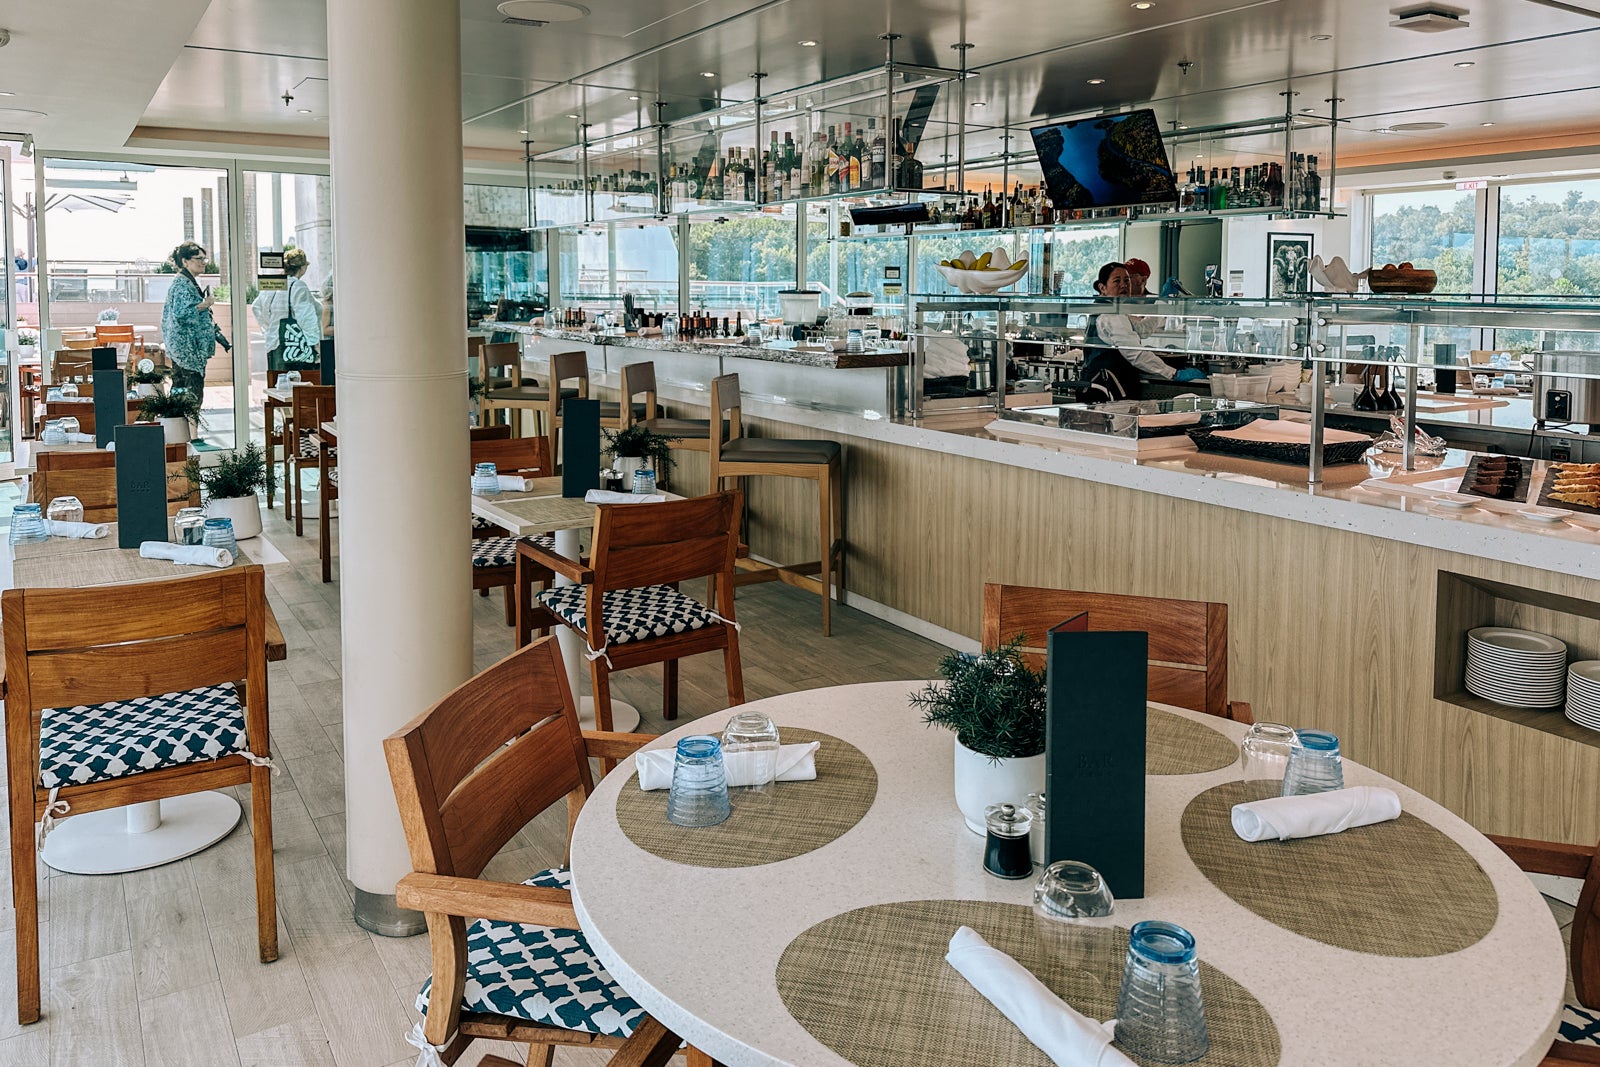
[[306, 446], [279, 417], [327, 487], [1579, 1040], [503, 386], [74, 365], [735, 457], [91, 476], [120, 699], [107, 334], [639, 381], [79, 344], [510, 962], [494, 550], [626, 602], [1188, 638]]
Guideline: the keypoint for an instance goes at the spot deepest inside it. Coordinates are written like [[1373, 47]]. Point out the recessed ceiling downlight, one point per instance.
[[21, 113], [542, 11], [1411, 127]]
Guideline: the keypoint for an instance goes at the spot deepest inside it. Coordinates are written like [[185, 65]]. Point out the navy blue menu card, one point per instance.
[[1094, 751], [141, 484], [103, 358], [110, 403], [580, 446]]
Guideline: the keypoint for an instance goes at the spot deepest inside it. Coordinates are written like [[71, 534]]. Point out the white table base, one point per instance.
[[624, 716], [140, 835]]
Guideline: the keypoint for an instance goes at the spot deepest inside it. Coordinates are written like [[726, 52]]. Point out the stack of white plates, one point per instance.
[[1519, 668], [1583, 693]]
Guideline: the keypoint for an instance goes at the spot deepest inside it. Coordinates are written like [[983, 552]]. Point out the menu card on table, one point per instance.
[[110, 403], [1094, 751], [580, 446], [141, 484]]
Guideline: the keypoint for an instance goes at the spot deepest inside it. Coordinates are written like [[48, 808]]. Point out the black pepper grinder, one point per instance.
[[1006, 853]]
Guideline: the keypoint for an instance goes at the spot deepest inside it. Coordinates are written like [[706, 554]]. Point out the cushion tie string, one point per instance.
[[731, 622], [428, 1055], [53, 809], [593, 654], [262, 761]]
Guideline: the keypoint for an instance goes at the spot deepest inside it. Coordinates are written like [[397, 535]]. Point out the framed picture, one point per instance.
[[1288, 264]]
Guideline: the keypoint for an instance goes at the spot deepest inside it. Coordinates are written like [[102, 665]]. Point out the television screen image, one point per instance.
[[1106, 161]]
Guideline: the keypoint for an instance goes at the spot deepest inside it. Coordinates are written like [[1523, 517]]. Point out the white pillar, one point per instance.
[[405, 599]]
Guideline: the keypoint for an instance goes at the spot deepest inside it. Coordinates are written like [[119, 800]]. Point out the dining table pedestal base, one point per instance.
[[140, 835]]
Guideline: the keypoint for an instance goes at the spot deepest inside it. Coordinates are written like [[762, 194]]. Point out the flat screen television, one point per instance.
[[1106, 161]]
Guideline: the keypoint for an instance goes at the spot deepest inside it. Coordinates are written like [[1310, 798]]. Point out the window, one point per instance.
[[1430, 230], [1549, 242], [741, 264]]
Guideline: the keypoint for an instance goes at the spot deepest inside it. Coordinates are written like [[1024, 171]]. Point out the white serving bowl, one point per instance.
[[981, 282]]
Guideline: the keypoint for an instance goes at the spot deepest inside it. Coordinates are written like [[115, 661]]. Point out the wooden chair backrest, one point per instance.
[[637, 379], [726, 421], [71, 363], [500, 356], [79, 344], [66, 647], [490, 433], [475, 347], [569, 366], [91, 476], [1188, 638], [660, 544], [307, 377], [1586, 938], [107, 334], [473, 769], [527, 456], [309, 401]]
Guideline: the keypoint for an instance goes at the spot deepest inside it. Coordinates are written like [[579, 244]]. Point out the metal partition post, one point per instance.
[[1317, 350], [801, 245], [962, 47], [583, 164], [762, 193], [663, 189], [891, 177], [684, 301], [1288, 148], [1333, 103], [1414, 349]]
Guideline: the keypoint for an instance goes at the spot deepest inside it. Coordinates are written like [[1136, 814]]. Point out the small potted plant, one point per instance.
[[28, 342], [636, 447], [230, 486], [995, 703], [148, 382], [178, 412]]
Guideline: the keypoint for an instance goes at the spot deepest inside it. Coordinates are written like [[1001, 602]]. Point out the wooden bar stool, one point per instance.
[[280, 432], [500, 372], [735, 456], [569, 380], [639, 379]]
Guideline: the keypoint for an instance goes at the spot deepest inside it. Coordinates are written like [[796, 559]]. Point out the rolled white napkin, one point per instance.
[[57, 528], [1067, 1037], [512, 483], [198, 555], [1314, 814], [796, 763], [76, 438], [111, 446], [607, 496]]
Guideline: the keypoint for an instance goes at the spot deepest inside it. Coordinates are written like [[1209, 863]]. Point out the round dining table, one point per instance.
[[698, 943]]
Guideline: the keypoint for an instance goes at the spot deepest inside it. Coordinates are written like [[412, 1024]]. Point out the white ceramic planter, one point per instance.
[[981, 781], [177, 430], [625, 466], [144, 389], [245, 511]]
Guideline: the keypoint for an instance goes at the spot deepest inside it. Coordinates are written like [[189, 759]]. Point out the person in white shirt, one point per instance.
[[273, 306], [1116, 356], [945, 367]]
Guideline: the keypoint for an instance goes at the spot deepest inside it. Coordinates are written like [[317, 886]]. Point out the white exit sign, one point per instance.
[[1475, 183]]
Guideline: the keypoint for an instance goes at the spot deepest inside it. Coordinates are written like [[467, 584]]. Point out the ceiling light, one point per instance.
[[708, 74], [634, 97], [7, 94], [1465, 63], [1097, 81], [1383, 129], [1143, 5], [572, 116], [1485, 124], [1322, 36], [1181, 126], [305, 111], [539, 12], [980, 103], [808, 44], [1306, 110], [522, 131]]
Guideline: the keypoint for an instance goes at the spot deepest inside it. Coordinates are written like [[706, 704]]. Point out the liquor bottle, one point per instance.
[[712, 190], [1202, 192], [769, 171], [855, 150], [878, 149], [1219, 192], [797, 180], [1313, 185], [738, 324], [1274, 189], [910, 168], [1235, 188], [897, 160], [1023, 215]]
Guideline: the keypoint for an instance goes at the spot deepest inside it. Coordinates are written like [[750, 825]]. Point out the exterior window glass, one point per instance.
[[1430, 230]]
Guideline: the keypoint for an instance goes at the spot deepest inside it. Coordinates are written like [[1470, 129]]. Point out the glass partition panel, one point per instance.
[[1549, 241]]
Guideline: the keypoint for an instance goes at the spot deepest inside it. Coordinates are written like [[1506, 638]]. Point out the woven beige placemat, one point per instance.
[[785, 820], [79, 570], [873, 986], [1176, 745], [1398, 888]]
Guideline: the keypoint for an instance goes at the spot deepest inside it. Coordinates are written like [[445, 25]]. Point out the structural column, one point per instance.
[[395, 121]]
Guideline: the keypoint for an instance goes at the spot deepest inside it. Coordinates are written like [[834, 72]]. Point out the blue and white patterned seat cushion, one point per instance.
[[632, 614], [1579, 1025], [311, 444], [95, 742], [542, 974], [479, 524], [502, 551]]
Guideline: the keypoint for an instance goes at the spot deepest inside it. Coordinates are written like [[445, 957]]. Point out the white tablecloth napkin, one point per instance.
[[796, 763], [1314, 814], [606, 496], [198, 555], [57, 528], [76, 438], [1068, 1038], [512, 483]]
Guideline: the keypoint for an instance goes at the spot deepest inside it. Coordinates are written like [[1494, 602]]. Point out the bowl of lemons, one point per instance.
[[983, 275]]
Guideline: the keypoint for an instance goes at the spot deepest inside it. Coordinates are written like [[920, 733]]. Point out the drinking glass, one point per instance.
[[1071, 891], [289, 377], [218, 533], [699, 795], [27, 525], [69, 424], [1160, 1016], [69, 390], [750, 751], [1314, 764], [189, 526], [65, 509], [485, 479], [53, 433], [644, 481], [1264, 755]]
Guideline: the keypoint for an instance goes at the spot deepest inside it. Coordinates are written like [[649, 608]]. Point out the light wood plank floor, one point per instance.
[[158, 967]]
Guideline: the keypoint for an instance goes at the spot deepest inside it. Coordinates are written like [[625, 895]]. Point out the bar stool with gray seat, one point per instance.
[[500, 377], [569, 380], [735, 456], [639, 379]]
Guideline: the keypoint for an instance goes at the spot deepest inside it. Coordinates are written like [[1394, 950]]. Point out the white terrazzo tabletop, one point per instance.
[[706, 965]]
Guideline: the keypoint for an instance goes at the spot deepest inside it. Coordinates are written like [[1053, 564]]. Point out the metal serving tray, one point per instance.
[[1138, 420]]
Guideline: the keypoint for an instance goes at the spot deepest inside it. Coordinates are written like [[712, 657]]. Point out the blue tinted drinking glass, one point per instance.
[[54, 433], [1160, 1016], [219, 534], [699, 794], [485, 479], [1314, 764], [27, 525]]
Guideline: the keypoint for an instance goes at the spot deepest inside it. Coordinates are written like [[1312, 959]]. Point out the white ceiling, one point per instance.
[[1533, 72]]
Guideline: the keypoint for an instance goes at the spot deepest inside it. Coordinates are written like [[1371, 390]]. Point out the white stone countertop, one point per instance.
[[772, 352], [710, 974]]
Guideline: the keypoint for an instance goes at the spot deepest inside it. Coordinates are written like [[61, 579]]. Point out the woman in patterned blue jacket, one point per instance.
[[187, 328]]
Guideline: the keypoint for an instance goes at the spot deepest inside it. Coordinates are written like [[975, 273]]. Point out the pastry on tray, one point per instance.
[[1588, 499]]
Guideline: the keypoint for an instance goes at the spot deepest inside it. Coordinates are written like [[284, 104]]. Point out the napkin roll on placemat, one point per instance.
[[607, 496], [57, 528], [512, 483], [1314, 814], [198, 555], [75, 438], [1067, 1037], [796, 763]]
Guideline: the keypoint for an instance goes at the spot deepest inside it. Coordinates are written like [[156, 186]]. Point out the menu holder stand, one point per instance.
[[141, 484], [103, 358], [580, 446], [110, 403], [1096, 686]]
